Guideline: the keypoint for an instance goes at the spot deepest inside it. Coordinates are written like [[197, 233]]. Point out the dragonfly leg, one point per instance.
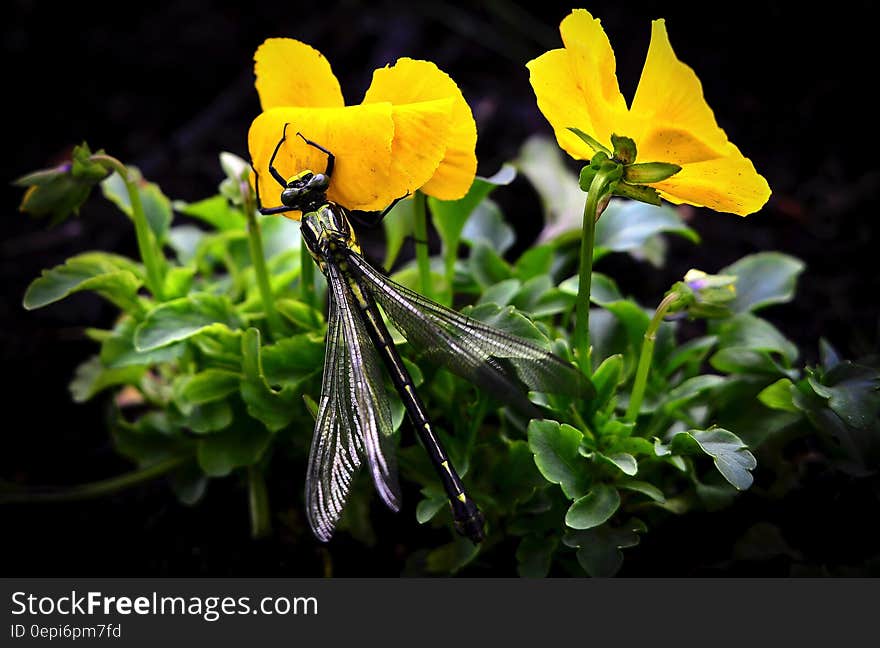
[[265, 211], [331, 159], [275, 174]]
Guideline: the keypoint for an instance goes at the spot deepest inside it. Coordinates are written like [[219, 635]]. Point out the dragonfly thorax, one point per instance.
[[327, 233]]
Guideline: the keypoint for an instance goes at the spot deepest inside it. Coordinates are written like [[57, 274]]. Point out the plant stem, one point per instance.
[[258, 501], [146, 241], [641, 380], [93, 489], [420, 234], [306, 275], [581, 338], [255, 243]]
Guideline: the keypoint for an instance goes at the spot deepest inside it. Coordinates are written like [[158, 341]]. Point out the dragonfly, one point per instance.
[[353, 424]]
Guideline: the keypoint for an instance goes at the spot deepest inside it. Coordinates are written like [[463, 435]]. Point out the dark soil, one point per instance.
[[167, 88]]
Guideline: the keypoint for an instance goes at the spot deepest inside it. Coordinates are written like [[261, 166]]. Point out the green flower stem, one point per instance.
[[420, 233], [93, 489], [147, 246], [581, 340], [641, 381], [306, 275], [258, 259], [258, 501]]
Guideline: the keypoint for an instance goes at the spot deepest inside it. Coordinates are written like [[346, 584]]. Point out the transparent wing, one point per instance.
[[506, 365], [354, 418]]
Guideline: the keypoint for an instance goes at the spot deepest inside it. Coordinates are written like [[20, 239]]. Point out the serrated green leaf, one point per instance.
[[594, 508], [117, 349], [555, 448], [599, 549], [293, 359], [183, 318]]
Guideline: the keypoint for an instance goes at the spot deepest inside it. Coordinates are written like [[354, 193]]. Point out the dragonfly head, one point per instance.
[[306, 191]]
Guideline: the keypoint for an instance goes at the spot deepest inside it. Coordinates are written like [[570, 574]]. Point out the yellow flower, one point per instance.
[[669, 119], [413, 130]]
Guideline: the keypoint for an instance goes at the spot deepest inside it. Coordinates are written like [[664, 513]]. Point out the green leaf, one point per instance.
[[534, 555], [501, 293], [178, 281], [486, 226], [644, 488], [594, 508], [599, 549], [627, 226], [623, 461], [92, 377], [209, 417], [183, 318], [853, 393], [507, 319], [114, 277], [555, 448], [429, 507], [731, 456], [241, 444], [778, 396], [208, 385], [451, 557], [398, 225], [152, 438], [515, 478], [487, 266], [689, 355], [118, 350], [189, 483], [541, 161], [449, 216], [215, 211], [185, 241], [299, 313], [293, 359], [762, 279], [156, 206], [535, 261], [607, 378], [691, 389], [274, 408], [751, 332]]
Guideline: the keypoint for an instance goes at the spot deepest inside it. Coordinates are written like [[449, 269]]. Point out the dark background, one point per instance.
[[168, 86]]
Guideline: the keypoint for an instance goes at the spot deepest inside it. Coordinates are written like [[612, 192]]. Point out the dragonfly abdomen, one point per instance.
[[467, 516]]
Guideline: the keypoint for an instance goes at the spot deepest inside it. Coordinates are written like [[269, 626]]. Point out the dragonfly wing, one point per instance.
[[354, 417], [505, 364]]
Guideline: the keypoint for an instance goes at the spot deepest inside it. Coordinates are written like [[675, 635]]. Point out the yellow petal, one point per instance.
[[560, 101], [670, 94], [291, 73], [594, 68], [727, 184], [359, 136], [411, 81], [421, 131]]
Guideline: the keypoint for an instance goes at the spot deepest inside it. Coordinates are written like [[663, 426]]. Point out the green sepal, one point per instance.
[[625, 150], [590, 141], [647, 172]]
